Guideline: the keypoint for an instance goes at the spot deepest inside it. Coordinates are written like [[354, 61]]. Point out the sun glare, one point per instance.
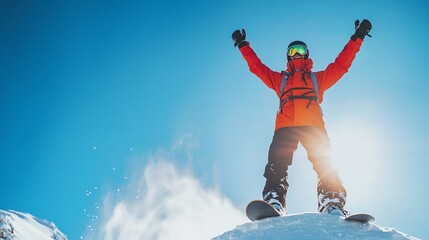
[[358, 150]]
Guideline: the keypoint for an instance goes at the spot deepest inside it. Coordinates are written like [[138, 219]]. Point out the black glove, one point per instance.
[[239, 38], [362, 29]]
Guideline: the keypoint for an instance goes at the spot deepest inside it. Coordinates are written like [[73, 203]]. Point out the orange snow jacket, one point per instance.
[[296, 110]]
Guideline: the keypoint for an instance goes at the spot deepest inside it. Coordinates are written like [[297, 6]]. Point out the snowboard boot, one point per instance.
[[272, 198], [332, 203], [335, 209], [277, 206]]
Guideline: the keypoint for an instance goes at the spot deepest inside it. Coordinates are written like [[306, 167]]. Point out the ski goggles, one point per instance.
[[294, 49]]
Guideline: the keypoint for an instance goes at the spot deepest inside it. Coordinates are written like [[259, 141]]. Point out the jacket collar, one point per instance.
[[299, 65]]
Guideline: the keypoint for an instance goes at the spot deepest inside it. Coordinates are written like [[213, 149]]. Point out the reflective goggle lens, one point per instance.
[[300, 49]]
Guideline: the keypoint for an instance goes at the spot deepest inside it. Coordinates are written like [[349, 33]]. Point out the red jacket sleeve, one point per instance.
[[270, 78], [328, 77]]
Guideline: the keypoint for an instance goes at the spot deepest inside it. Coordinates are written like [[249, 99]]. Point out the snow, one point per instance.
[[165, 203], [310, 226], [23, 226]]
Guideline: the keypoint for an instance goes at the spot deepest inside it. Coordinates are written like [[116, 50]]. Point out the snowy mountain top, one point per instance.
[[310, 226], [23, 226]]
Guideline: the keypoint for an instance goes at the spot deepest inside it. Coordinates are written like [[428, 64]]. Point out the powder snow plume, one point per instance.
[[172, 204]]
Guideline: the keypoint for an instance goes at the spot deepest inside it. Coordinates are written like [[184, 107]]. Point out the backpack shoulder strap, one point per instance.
[[315, 85], [284, 80], [316, 88]]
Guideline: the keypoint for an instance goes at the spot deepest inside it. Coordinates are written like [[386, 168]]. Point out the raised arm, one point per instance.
[[342, 63], [340, 66], [270, 78]]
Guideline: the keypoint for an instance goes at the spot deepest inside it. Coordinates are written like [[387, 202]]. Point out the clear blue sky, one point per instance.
[[86, 86]]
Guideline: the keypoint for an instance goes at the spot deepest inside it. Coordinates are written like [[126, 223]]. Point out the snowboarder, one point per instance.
[[299, 118]]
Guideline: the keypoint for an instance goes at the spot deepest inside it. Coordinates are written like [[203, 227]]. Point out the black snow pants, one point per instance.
[[315, 140]]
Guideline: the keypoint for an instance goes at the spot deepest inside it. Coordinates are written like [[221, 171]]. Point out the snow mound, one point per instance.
[[23, 226], [310, 226]]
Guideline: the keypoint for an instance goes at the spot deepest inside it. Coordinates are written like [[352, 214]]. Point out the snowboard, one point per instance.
[[360, 217], [258, 209]]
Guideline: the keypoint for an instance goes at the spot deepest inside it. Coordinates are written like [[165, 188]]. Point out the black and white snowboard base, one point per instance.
[[258, 209]]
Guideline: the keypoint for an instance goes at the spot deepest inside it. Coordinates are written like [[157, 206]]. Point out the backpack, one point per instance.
[[303, 96]]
